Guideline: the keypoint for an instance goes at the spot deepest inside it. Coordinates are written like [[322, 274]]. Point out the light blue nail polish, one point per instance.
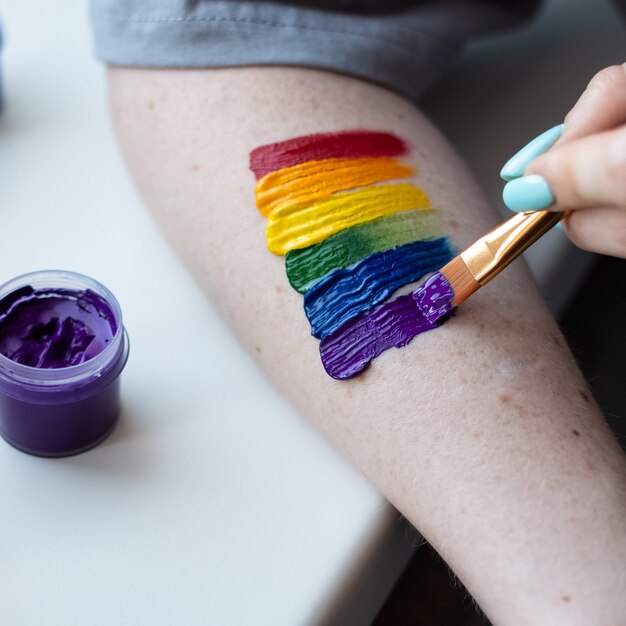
[[559, 226], [515, 166], [528, 193]]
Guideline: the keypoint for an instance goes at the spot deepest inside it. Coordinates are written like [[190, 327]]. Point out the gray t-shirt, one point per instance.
[[402, 44]]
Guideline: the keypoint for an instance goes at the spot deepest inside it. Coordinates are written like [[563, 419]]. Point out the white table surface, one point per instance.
[[213, 502]]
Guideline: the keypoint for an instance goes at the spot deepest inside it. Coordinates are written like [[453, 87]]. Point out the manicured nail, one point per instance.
[[515, 166], [560, 226], [528, 193]]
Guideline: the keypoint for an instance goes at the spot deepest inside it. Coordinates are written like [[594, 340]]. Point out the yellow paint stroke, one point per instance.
[[294, 226], [316, 180]]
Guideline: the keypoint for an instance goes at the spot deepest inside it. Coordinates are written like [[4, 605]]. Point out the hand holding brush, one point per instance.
[[581, 180], [585, 172]]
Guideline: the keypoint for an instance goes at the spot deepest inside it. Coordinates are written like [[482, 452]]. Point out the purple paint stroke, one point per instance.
[[350, 349], [434, 298]]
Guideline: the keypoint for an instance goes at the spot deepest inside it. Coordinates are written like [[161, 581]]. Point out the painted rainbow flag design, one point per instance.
[[352, 233]]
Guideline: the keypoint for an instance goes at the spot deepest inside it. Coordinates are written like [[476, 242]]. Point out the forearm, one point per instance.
[[481, 432]]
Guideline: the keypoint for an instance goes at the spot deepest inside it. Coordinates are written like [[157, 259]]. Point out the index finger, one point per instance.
[[602, 106]]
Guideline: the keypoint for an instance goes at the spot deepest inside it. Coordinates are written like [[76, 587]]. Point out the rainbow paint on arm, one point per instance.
[[352, 236]]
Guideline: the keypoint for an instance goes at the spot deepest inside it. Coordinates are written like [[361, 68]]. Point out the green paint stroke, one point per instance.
[[308, 265]]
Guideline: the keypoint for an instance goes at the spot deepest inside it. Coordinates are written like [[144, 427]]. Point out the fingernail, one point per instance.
[[528, 193], [560, 226], [515, 166]]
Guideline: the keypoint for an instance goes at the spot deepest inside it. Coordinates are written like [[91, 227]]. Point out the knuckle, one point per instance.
[[609, 79]]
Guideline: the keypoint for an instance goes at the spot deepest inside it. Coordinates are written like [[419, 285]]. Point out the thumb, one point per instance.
[[586, 172]]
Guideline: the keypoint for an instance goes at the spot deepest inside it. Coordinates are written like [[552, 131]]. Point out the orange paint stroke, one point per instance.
[[317, 180]]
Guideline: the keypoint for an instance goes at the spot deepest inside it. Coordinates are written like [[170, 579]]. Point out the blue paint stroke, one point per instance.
[[343, 294]]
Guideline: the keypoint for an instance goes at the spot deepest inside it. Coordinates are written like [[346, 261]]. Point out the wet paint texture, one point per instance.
[[352, 237], [434, 298], [290, 227], [343, 294], [348, 144], [311, 182], [349, 350], [306, 266], [54, 328]]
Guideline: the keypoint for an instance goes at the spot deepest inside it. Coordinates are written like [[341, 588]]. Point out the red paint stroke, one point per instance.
[[344, 145]]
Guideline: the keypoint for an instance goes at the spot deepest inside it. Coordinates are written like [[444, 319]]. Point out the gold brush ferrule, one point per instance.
[[486, 258]]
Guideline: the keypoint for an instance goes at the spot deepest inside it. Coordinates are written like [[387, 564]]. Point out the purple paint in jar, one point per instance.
[[63, 347]]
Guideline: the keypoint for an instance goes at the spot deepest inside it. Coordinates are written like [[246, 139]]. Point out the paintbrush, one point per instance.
[[488, 256]]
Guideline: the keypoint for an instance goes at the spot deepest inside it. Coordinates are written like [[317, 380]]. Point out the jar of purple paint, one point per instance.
[[63, 347]]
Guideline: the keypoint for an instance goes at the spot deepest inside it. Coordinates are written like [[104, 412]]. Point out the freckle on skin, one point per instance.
[[504, 399], [278, 288], [195, 168], [150, 106], [453, 223], [522, 410], [476, 435], [583, 395], [258, 349], [566, 599], [576, 432]]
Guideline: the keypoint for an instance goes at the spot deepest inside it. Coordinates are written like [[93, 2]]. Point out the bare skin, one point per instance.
[[483, 432]]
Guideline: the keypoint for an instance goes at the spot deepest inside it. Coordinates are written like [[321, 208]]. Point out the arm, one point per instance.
[[481, 432]]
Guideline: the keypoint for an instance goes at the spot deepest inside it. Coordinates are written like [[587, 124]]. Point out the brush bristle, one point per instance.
[[461, 280]]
